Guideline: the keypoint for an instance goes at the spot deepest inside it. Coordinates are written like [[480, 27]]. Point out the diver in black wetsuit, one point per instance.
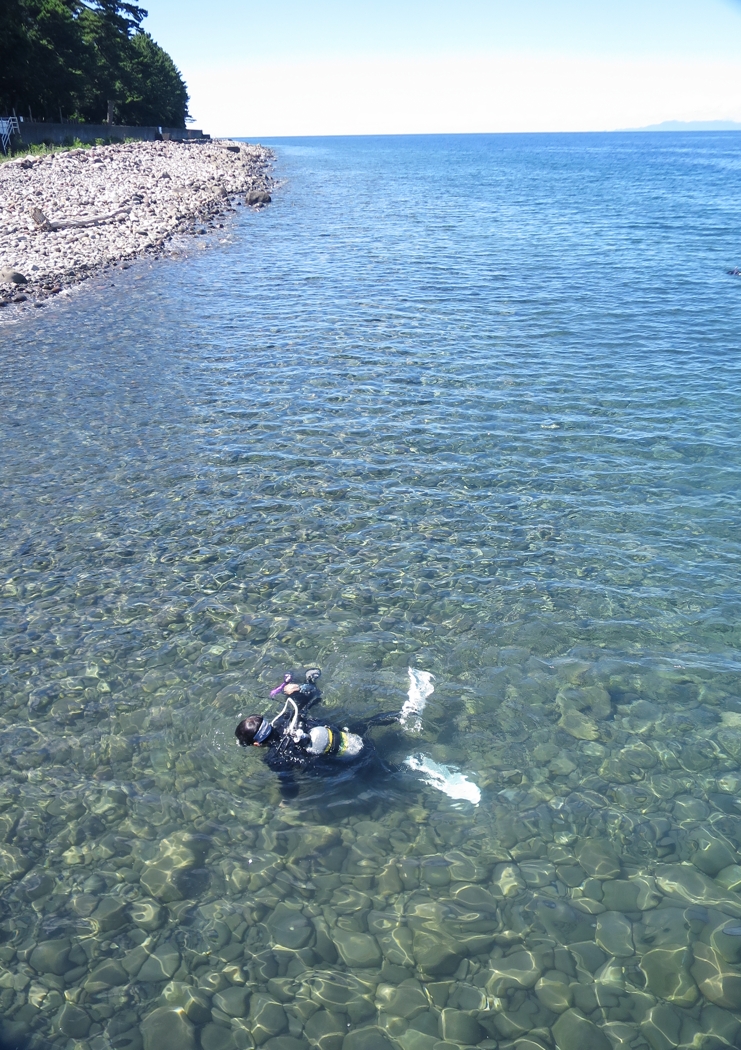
[[296, 743]]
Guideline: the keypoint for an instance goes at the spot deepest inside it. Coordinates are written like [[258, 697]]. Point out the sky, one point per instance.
[[344, 67]]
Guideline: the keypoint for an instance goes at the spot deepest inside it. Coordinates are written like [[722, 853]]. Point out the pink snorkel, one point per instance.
[[286, 679]]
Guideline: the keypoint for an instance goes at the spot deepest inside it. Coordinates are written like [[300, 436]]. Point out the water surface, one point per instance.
[[462, 404]]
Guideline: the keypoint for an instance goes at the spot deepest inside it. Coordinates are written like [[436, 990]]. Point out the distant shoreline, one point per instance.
[[66, 216], [691, 125]]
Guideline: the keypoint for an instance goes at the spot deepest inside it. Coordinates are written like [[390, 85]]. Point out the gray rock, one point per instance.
[[458, 1026], [718, 982], [108, 975], [268, 1018], [13, 863], [573, 1031], [194, 1004], [216, 1037], [369, 1038], [289, 927], [614, 935], [73, 1021], [110, 914], [325, 1030], [11, 276], [51, 957], [433, 955], [161, 965], [133, 961], [233, 1001], [406, 1000], [667, 975], [167, 1029], [258, 197], [147, 914], [357, 949], [36, 885], [598, 859], [518, 970]]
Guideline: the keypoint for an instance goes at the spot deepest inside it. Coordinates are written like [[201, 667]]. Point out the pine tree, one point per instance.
[[74, 58]]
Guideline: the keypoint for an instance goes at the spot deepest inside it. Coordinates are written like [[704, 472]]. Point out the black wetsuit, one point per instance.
[[292, 748]]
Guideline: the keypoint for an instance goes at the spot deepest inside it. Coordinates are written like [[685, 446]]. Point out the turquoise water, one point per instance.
[[466, 405]]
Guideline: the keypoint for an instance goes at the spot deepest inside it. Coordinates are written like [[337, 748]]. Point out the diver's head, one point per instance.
[[253, 730]]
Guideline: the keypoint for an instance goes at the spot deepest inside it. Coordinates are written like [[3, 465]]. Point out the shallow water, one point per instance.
[[465, 405]]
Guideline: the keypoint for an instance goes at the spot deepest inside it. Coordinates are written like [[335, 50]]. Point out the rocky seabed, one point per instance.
[[67, 216], [592, 904]]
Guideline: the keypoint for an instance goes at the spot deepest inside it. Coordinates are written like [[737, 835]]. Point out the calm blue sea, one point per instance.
[[465, 405]]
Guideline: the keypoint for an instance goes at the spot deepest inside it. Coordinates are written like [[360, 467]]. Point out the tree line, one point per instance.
[[79, 59]]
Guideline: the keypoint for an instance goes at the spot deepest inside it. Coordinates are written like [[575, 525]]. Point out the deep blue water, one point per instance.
[[467, 404]]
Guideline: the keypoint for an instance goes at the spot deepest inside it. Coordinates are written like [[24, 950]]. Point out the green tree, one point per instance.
[[76, 56], [106, 27], [156, 91], [42, 57]]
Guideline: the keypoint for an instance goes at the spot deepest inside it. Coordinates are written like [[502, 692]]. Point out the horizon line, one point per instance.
[[651, 129]]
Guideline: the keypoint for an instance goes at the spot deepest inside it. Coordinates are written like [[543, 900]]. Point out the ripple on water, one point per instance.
[[477, 433]]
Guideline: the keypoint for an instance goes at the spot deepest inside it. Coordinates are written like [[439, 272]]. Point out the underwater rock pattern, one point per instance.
[[422, 927]]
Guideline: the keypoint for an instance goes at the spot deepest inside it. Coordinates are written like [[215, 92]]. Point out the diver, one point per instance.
[[296, 743]]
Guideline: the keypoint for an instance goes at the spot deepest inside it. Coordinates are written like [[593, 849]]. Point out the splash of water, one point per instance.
[[447, 779], [420, 687]]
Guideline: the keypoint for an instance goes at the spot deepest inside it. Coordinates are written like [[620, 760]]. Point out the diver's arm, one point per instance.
[[304, 696]]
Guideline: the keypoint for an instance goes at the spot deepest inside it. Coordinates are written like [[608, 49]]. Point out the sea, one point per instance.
[[455, 419]]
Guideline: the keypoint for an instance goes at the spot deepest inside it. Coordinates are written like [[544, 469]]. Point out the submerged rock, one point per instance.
[[521, 969], [325, 1030], [234, 1001], [52, 957], [161, 964], [598, 859], [717, 980], [554, 991], [667, 972], [167, 1029], [369, 1038], [573, 1031], [165, 876], [406, 1000], [73, 1021], [614, 934], [579, 725], [433, 954], [289, 927], [267, 1018], [459, 1026], [108, 974]]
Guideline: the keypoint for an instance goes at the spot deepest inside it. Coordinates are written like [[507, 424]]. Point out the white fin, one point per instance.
[[445, 778], [420, 687]]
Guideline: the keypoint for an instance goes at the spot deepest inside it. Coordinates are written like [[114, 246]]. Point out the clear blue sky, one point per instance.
[[302, 56]]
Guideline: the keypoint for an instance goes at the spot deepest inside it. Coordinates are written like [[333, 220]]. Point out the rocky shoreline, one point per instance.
[[67, 216]]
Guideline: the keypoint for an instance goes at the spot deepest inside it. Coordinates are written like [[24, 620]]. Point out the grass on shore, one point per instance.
[[43, 149]]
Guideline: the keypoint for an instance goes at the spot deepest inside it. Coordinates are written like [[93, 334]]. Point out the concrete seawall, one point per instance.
[[36, 133]]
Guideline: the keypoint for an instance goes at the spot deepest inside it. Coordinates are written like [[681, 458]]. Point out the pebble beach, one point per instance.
[[67, 216]]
